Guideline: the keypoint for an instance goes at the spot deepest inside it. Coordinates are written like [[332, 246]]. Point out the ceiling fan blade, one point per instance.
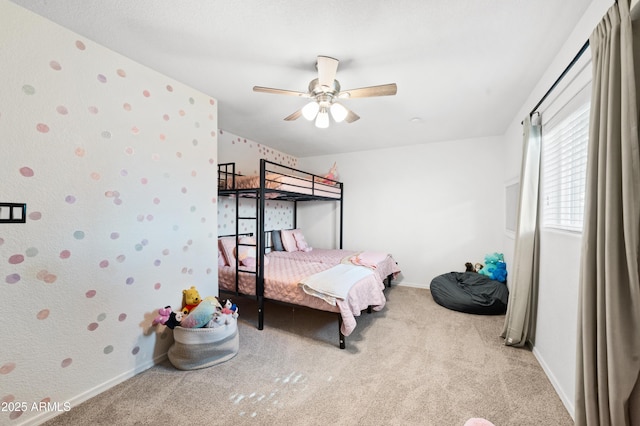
[[294, 116], [366, 92], [351, 117], [280, 91], [327, 68]]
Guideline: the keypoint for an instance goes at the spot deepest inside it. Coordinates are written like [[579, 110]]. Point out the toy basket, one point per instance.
[[195, 348]]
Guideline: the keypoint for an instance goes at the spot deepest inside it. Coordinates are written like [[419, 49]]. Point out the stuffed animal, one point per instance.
[[469, 267], [495, 267], [175, 318], [202, 314], [191, 299], [163, 315], [230, 308]]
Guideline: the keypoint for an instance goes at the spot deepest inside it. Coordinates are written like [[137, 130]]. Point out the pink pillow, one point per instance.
[[246, 251], [228, 249], [300, 241], [288, 240], [221, 261]]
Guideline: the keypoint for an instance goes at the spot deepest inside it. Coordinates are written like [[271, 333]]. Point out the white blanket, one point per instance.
[[334, 283]]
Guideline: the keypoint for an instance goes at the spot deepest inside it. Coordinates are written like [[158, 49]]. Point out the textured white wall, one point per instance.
[[117, 165], [246, 154], [433, 206]]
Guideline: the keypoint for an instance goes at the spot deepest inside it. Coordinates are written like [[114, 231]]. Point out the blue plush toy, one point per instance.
[[494, 267]]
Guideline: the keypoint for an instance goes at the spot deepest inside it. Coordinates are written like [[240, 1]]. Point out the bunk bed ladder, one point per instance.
[[260, 239]]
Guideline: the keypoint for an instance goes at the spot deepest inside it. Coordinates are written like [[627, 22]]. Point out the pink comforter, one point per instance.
[[285, 270]]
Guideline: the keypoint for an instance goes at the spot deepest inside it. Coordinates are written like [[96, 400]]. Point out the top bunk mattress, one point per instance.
[[284, 183]]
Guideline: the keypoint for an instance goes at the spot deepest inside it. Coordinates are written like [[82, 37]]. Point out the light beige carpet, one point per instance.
[[413, 363]]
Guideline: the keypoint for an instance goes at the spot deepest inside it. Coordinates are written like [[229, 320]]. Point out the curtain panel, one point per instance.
[[608, 343]]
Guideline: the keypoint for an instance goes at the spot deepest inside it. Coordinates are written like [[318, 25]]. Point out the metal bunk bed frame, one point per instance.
[[226, 171]]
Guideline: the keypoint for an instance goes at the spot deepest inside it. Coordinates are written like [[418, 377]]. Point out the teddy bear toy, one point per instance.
[[202, 314], [191, 299], [175, 318], [163, 315], [495, 267]]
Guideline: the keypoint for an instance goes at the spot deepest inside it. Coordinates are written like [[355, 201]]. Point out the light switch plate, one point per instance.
[[13, 213]]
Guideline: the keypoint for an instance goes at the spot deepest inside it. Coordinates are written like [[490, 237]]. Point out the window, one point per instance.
[[564, 164]]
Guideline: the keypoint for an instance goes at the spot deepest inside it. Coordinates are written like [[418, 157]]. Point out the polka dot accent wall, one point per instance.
[[247, 154], [117, 166]]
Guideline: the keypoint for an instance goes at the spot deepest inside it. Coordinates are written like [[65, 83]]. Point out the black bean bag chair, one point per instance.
[[470, 292]]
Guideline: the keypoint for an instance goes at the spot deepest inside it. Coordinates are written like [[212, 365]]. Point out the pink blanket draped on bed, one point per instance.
[[282, 275]]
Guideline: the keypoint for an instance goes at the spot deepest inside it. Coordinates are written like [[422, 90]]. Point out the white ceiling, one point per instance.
[[463, 67]]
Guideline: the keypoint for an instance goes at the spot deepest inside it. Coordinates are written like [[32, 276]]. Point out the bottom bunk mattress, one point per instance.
[[382, 263], [470, 292], [283, 276]]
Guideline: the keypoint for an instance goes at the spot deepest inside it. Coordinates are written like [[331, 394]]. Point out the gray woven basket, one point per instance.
[[195, 348]]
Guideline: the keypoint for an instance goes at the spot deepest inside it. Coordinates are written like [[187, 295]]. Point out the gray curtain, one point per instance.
[[519, 325], [608, 344]]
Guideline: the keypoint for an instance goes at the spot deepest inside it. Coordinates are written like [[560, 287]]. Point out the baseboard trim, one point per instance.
[[568, 404], [77, 400], [409, 284]]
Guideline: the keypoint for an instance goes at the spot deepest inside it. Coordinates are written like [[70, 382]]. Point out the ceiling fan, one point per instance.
[[325, 92]]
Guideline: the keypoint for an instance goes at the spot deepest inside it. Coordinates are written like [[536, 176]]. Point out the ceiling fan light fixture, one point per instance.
[[322, 119], [310, 110], [338, 112]]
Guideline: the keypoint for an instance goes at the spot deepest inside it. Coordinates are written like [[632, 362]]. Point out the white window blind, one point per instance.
[[564, 164]]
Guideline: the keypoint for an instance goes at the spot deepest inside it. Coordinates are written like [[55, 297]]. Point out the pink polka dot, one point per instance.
[[127, 107], [183, 190], [157, 286], [104, 264], [93, 110], [7, 368], [70, 199], [122, 317], [121, 258], [50, 278], [35, 215], [144, 181], [92, 326], [89, 294], [16, 259], [42, 128], [149, 217], [79, 152], [129, 150], [156, 200], [121, 73], [165, 117], [135, 130], [146, 93], [165, 252], [62, 110], [26, 171], [102, 78], [95, 176], [181, 113], [55, 65], [129, 280], [162, 137], [169, 88], [179, 154], [80, 45], [43, 314], [212, 102], [65, 254], [114, 235], [12, 278], [66, 362]]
